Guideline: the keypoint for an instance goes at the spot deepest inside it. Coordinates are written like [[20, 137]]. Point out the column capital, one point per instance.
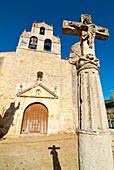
[[87, 64]]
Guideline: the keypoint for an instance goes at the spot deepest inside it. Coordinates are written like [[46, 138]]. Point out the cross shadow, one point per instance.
[[56, 163], [7, 120]]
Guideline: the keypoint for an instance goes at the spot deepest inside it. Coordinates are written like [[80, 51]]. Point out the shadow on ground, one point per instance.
[[54, 153]]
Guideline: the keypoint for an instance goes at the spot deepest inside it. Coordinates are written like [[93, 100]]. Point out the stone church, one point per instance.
[[38, 88]]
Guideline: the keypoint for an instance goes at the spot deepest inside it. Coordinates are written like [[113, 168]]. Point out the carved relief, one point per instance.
[[87, 63], [86, 19], [89, 36], [77, 59], [84, 51], [38, 92], [75, 54]]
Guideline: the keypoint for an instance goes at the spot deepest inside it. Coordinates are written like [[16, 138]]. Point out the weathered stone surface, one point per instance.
[[94, 139], [71, 92], [19, 73], [76, 28], [95, 151]]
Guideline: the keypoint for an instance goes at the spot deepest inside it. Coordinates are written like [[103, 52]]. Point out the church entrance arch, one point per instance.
[[35, 119]]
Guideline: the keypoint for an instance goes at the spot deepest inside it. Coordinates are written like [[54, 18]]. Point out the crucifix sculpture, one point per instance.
[[87, 32], [93, 132]]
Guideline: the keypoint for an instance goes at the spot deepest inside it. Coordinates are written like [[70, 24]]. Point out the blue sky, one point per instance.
[[15, 16]]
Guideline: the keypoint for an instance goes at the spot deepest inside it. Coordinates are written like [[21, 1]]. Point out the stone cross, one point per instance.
[[94, 140], [87, 32]]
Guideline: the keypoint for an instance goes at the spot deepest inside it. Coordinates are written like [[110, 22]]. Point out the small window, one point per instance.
[[47, 45], [42, 30], [39, 76], [33, 42]]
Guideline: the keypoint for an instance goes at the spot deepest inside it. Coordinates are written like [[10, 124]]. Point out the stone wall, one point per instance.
[[19, 69]]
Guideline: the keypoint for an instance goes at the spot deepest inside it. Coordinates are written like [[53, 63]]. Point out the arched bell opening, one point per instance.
[[47, 45], [33, 42], [42, 31]]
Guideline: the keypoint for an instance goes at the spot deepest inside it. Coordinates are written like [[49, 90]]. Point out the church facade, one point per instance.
[[38, 90]]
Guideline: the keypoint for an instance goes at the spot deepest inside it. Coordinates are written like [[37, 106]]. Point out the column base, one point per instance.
[[95, 151]]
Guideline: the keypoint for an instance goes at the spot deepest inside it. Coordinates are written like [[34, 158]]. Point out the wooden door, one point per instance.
[[35, 119]]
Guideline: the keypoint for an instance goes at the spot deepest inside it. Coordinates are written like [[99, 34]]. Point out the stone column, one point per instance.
[[95, 152]]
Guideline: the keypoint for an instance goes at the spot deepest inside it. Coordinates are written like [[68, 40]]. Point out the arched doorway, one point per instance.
[[35, 119]]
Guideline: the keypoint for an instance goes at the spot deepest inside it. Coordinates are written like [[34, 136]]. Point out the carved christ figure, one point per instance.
[[89, 35], [87, 32]]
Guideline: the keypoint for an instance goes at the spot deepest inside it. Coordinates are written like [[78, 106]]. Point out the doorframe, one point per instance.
[[24, 112]]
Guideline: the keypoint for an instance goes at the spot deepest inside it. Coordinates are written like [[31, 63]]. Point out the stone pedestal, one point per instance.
[[95, 151]]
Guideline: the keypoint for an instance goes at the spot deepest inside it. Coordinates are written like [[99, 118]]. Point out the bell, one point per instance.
[[33, 46], [47, 46]]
